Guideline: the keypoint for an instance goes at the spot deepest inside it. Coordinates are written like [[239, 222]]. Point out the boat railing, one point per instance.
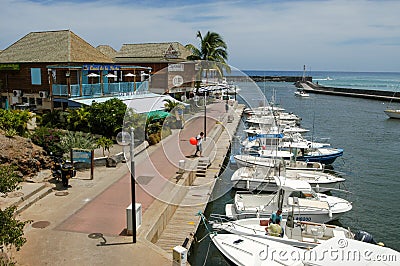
[[220, 218]]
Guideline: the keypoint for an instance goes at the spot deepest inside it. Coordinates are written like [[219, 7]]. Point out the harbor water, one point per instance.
[[370, 162]]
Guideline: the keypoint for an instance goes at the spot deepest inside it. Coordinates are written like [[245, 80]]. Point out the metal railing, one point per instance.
[[102, 89]]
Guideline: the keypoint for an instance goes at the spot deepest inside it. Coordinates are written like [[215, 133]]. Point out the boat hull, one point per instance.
[[313, 216], [246, 160], [322, 158], [268, 186]]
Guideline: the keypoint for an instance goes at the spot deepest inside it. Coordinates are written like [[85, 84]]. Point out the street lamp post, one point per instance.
[[227, 99], [122, 139], [205, 114], [133, 181]]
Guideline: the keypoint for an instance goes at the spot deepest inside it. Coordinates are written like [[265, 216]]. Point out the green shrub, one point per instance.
[[48, 139], [153, 139]]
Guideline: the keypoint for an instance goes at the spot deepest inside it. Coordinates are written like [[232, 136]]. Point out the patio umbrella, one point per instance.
[[110, 75], [93, 75]]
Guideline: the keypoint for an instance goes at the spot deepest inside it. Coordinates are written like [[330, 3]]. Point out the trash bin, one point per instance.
[[67, 172]]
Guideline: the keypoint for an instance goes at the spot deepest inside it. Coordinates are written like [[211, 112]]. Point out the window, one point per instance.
[[36, 76], [31, 101], [24, 100], [39, 102], [57, 104]]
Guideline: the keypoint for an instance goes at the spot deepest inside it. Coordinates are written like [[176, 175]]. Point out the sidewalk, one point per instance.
[[99, 206]]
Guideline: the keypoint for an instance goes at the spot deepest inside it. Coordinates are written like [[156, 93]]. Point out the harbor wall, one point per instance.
[[348, 92], [270, 78]]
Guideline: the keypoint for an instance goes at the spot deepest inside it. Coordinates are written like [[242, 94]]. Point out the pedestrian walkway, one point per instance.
[[99, 206]]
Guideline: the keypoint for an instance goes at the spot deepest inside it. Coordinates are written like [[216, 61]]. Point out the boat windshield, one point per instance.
[[304, 194]]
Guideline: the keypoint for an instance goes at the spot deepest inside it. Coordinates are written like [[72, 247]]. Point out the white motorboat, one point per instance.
[[295, 139], [310, 206], [244, 160], [280, 119], [278, 154], [251, 250], [294, 129], [393, 113], [263, 110], [301, 93], [258, 178], [295, 233]]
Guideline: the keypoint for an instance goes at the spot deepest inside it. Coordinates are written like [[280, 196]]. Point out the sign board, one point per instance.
[[176, 67], [101, 67], [177, 81], [9, 66], [83, 156]]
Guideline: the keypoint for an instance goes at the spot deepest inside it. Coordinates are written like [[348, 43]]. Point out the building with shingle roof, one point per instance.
[[62, 46], [107, 50], [43, 69], [167, 52], [167, 61]]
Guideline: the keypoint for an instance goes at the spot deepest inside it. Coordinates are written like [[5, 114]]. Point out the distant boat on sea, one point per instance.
[[393, 113]]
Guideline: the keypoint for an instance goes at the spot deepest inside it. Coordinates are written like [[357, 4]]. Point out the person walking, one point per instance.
[[199, 145]]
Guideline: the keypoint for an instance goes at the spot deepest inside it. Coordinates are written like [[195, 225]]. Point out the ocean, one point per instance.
[[371, 150]]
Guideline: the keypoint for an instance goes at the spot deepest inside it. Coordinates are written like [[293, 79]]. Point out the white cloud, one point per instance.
[[354, 35]]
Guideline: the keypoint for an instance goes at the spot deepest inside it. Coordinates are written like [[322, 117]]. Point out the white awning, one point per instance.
[[148, 102], [140, 103]]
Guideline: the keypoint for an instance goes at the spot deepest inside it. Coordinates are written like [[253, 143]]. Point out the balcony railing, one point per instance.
[[105, 89]]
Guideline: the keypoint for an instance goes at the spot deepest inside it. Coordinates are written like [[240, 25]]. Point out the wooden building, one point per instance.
[[45, 70], [170, 68]]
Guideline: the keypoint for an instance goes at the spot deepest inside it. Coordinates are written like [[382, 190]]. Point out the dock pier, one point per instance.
[[179, 223]]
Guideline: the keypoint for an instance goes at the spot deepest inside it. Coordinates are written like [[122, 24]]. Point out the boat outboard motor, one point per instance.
[[364, 237]]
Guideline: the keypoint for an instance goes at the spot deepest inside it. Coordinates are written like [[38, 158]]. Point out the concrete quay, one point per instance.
[[65, 223], [347, 92]]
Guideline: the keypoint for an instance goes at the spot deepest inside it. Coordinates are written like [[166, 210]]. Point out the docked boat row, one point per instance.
[[282, 170], [256, 178]]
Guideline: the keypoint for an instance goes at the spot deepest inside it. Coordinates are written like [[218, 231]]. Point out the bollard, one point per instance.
[[179, 256], [181, 167]]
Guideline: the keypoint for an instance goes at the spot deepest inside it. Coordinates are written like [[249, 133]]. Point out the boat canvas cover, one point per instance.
[[299, 202], [292, 185], [260, 136]]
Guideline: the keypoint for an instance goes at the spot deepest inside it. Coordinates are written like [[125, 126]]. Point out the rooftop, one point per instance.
[[52, 46]]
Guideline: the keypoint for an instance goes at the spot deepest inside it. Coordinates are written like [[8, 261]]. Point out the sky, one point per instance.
[[324, 35]]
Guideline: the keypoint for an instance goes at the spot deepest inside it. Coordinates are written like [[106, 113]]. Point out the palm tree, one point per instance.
[[171, 105], [212, 48]]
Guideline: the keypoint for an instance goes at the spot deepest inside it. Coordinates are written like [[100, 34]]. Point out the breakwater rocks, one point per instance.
[[270, 78], [358, 93]]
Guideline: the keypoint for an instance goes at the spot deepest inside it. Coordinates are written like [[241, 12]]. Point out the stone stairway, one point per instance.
[[26, 196], [202, 166]]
